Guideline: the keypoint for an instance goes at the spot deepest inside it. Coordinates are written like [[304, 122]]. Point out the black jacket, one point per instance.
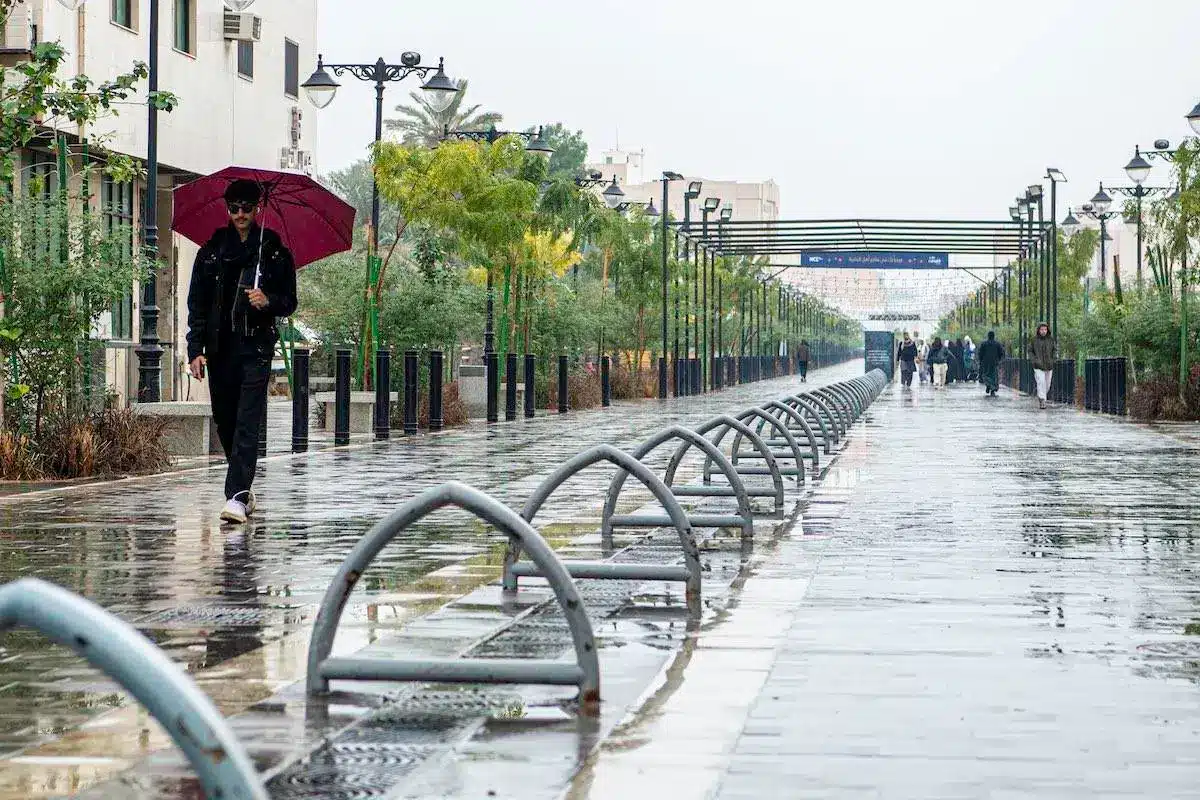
[[907, 352], [990, 353], [277, 281]]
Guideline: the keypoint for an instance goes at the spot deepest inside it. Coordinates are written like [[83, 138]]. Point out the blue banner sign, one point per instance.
[[853, 259]]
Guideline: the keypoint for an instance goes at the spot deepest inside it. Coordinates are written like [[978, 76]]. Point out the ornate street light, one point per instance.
[[1101, 201], [1193, 118], [536, 141], [1070, 224], [612, 194], [1138, 168]]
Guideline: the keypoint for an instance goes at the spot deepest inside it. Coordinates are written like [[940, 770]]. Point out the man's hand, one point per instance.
[[257, 298], [197, 367]]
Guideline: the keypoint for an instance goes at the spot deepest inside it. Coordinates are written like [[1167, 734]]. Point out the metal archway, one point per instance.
[[584, 672], [675, 517], [726, 423], [158, 683], [743, 519]]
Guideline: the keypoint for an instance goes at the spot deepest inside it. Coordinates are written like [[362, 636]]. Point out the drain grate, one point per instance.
[[219, 616]]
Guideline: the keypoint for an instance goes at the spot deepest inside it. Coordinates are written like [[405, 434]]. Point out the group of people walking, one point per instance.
[[937, 362], [945, 362]]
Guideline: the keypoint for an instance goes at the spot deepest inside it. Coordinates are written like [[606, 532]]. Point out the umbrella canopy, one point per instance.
[[312, 221]]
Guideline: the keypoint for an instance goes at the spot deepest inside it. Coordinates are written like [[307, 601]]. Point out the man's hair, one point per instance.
[[243, 190], [991, 334]]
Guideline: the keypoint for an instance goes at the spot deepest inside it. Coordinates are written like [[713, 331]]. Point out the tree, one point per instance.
[[421, 125], [353, 184], [570, 151], [60, 270]]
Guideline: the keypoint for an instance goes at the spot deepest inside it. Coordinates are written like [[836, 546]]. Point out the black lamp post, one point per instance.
[[1056, 177], [667, 177], [1138, 170], [1035, 194], [683, 377], [711, 204], [1098, 209], [439, 90], [535, 143]]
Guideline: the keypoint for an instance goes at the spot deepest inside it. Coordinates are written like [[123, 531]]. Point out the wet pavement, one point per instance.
[[1001, 603], [234, 606], [976, 599]]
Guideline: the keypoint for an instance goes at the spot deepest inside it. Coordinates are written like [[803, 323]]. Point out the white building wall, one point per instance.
[[222, 118]]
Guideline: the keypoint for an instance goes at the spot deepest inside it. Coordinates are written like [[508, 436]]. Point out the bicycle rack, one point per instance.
[[847, 401], [744, 519], [688, 573], [838, 404], [803, 427], [584, 673], [121, 652], [817, 413], [764, 418], [725, 423], [835, 418]]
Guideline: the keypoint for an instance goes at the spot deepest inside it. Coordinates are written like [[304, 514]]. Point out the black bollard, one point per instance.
[[491, 368], [510, 387], [300, 364], [383, 393], [341, 398], [562, 384], [605, 382], [435, 390], [530, 372], [412, 385]]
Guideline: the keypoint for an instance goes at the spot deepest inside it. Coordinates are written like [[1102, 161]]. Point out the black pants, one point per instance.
[[906, 372], [803, 369], [238, 385]]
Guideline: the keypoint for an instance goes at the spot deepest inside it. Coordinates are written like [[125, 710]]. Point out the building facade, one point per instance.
[[237, 79]]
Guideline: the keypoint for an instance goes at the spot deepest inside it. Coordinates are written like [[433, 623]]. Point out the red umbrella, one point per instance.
[[312, 221]]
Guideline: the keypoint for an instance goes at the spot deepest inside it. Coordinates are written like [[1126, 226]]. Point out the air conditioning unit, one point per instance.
[[243, 27]]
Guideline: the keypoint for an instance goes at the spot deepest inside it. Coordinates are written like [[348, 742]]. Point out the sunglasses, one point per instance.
[[244, 208]]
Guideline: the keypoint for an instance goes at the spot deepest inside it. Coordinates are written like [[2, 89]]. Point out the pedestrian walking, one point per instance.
[[957, 370], [970, 367], [802, 360], [923, 361], [906, 356], [990, 354], [939, 357], [1043, 351], [242, 280]]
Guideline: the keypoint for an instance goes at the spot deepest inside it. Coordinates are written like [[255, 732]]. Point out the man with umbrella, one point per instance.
[[243, 279]]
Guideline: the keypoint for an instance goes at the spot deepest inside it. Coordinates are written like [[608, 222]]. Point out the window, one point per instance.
[[122, 13], [291, 68], [184, 40], [246, 59], [116, 211]]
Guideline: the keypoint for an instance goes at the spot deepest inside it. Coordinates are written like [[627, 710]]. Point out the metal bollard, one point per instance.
[[530, 373], [300, 365], [412, 385], [491, 369], [510, 387], [562, 384], [605, 381], [341, 398], [435, 390], [383, 393]]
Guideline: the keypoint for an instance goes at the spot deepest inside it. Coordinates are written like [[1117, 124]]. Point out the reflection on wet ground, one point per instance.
[[1005, 605], [234, 606]]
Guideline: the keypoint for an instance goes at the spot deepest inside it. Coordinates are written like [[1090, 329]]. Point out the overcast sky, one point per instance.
[[870, 108]]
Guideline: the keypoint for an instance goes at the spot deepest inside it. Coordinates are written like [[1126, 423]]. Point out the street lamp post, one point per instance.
[[1035, 195], [1056, 177], [711, 204], [321, 88], [149, 352], [1138, 170], [667, 177], [1098, 209], [536, 144], [683, 380]]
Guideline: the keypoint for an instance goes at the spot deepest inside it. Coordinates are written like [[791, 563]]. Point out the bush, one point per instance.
[[107, 443], [627, 384], [1158, 398], [583, 391]]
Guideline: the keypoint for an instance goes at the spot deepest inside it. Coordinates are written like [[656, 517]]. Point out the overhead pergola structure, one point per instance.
[[1004, 238]]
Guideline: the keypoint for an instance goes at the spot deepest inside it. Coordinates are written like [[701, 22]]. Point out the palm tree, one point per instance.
[[420, 125]]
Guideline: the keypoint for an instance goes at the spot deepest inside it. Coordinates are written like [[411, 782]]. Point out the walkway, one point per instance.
[[992, 602], [236, 607]]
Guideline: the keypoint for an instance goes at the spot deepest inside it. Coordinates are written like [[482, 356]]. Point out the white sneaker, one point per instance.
[[234, 511], [251, 502]]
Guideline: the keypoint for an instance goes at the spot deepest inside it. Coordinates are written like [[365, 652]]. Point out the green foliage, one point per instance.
[[62, 269], [34, 97], [421, 125], [570, 151]]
